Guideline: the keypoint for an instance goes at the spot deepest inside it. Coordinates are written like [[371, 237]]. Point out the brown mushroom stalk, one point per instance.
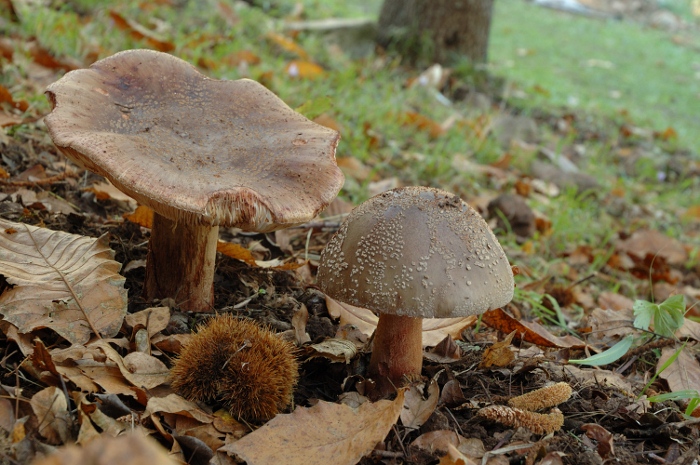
[[397, 351], [181, 262], [201, 153], [412, 253]]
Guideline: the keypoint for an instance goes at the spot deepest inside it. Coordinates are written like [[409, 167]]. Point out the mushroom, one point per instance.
[[412, 253], [200, 152]]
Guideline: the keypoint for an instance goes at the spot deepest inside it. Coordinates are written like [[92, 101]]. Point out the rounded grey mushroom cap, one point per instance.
[[194, 149], [417, 252]]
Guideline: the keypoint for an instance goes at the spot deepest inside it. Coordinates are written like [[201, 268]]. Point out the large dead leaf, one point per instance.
[[418, 406], [434, 329], [51, 408], [134, 449], [684, 373], [141, 370], [528, 331], [62, 281], [325, 433]]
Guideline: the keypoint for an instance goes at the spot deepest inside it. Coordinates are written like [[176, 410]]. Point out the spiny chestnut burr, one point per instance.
[[240, 365]]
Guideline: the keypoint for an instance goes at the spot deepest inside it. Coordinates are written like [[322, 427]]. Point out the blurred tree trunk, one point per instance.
[[438, 30]]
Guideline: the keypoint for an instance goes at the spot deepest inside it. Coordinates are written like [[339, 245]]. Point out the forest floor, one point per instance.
[[596, 205]]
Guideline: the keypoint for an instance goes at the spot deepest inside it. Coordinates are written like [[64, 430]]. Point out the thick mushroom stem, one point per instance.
[[397, 351], [180, 263]]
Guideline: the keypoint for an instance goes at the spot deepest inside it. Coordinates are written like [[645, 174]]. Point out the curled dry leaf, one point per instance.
[[437, 441], [141, 370], [455, 457], [529, 331], [134, 449], [499, 354], [337, 350], [602, 436], [434, 330], [62, 281], [417, 409], [173, 403], [325, 433], [155, 319], [51, 408]]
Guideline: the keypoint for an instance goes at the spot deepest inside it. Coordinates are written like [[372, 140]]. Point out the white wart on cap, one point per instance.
[[200, 152]]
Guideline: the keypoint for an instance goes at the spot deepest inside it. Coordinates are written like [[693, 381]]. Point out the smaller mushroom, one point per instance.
[[412, 253]]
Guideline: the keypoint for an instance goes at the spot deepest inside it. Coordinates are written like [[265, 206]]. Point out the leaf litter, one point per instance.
[[84, 370]]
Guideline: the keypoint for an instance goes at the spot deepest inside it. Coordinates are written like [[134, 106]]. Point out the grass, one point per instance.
[[606, 67]]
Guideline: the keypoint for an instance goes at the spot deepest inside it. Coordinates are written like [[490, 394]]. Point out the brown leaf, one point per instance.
[[143, 216], [325, 433], [447, 351], [529, 331], [105, 190], [337, 350], [173, 403], [437, 441], [416, 409], [650, 241], [65, 282], [155, 319], [141, 370], [134, 449], [421, 122], [303, 69], [139, 32], [51, 408], [434, 329], [287, 44], [455, 457], [684, 373], [499, 354], [603, 436]]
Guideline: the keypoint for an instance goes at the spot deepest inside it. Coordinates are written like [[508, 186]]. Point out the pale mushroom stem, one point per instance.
[[180, 263], [397, 348]]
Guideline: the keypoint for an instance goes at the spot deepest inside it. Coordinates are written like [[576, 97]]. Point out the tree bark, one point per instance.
[[440, 30], [180, 264]]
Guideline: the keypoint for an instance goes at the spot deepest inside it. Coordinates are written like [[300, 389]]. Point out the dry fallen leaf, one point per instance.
[[528, 331], [141, 370], [455, 457], [437, 441], [134, 449], [303, 69], [602, 436], [434, 329], [684, 373], [325, 433], [416, 409], [62, 281], [499, 354], [51, 408]]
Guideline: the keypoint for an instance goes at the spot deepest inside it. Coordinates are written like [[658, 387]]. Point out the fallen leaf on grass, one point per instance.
[[528, 331], [651, 241], [434, 329], [422, 122], [303, 69], [62, 281], [287, 44], [684, 373], [139, 32], [325, 433]]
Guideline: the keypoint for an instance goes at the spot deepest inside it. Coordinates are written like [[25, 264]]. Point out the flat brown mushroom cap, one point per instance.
[[194, 149], [417, 252]]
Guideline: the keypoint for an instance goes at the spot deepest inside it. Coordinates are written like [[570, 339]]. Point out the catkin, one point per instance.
[[538, 423], [541, 398]]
